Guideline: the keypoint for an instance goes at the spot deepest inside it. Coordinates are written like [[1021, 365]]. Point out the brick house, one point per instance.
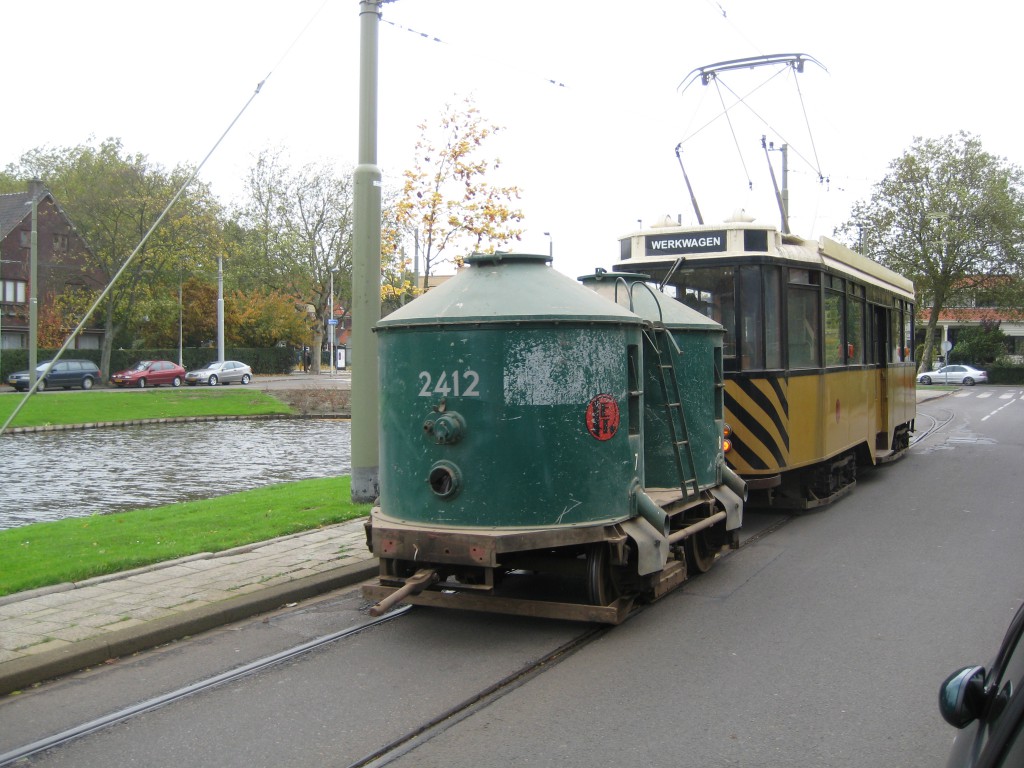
[[60, 264]]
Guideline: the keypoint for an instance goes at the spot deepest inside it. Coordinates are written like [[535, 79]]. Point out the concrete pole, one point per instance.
[[220, 309], [366, 269], [33, 293]]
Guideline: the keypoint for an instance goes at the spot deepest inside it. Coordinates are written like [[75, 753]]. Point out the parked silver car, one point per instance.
[[224, 372], [953, 374]]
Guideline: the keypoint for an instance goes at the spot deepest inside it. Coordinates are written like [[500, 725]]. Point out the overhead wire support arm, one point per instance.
[[689, 188], [710, 72]]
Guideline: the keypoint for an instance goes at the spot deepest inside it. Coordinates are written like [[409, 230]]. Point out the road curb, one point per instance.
[[19, 674]]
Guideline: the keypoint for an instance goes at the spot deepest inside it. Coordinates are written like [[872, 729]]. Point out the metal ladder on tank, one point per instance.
[[662, 343]]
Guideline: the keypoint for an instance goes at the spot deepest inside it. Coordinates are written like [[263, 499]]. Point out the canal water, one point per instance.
[[53, 475]]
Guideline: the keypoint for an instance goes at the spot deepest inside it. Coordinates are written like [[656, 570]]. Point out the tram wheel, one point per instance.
[[602, 584], [700, 555]]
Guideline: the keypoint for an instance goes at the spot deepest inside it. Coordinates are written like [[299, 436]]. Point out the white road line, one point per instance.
[[997, 410]]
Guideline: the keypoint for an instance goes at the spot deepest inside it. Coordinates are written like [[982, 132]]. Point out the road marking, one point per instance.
[[997, 410]]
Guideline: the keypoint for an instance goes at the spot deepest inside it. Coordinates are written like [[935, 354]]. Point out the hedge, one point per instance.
[[1005, 374]]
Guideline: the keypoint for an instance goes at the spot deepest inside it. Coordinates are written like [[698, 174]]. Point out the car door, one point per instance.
[[995, 738], [60, 374]]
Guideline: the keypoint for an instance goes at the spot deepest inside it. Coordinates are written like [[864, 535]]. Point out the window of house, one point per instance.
[[13, 291]]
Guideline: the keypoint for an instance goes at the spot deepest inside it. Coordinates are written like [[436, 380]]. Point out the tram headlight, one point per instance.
[[726, 438]]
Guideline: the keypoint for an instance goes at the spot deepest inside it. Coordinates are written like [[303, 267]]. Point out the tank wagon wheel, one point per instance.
[[603, 586], [700, 555]]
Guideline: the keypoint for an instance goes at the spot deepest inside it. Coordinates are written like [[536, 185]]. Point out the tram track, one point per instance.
[[149, 705], [934, 424], [397, 746], [415, 737]]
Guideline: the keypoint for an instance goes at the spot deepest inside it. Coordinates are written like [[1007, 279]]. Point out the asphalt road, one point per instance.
[[820, 644]]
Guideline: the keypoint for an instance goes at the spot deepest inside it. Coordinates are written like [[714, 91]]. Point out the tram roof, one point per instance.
[[642, 250]]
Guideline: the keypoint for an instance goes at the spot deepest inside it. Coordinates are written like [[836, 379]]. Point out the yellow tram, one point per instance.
[[818, 365]]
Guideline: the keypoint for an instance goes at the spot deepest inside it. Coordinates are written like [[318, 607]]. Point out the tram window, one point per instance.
[[750, 317], [834, 337], [772, 318], [908, 333], [711, 292], [803, 328], [855, 331], [804, 277]]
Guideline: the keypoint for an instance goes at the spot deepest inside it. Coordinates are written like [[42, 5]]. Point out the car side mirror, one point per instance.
[[962, 696]]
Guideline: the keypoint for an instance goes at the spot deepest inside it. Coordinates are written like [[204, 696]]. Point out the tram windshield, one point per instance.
[[753, 323], [712, 292]]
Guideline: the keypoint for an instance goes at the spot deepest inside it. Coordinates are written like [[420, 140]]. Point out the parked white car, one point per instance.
[[953, 374]]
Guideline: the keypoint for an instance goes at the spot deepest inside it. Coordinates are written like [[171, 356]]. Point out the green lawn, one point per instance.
[[47, 408], [78, 548]]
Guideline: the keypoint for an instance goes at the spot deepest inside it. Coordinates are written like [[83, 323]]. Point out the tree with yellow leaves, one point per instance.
[[447, 201]]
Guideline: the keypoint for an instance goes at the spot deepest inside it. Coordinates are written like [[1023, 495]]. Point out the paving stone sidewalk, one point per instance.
[[53, 631]]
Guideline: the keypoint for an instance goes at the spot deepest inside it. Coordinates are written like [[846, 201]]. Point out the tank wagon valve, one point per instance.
[[446, 429], [415, 584]]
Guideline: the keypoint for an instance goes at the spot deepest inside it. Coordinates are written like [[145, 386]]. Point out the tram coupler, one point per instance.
[[415, 584]]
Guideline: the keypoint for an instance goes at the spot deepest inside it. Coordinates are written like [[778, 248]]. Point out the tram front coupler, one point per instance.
[[415, 584]]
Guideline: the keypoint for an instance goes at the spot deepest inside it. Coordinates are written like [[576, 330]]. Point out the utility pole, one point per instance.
[[366, 269], [33, 293], [220, 309]]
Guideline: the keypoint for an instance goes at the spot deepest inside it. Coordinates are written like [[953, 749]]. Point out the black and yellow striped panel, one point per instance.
[[757, 409]]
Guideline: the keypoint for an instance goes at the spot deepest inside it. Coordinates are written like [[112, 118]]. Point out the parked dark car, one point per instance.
[[150, 373], [64, 373], [224, 372], [988, 706]]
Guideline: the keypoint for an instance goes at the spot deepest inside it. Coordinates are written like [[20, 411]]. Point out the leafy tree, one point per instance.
[[262, 318], [447, 203], [292, 232], [115, 198], [979, 346], [949, 216]]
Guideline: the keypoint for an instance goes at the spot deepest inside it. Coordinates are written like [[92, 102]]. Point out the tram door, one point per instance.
[[881, 357]]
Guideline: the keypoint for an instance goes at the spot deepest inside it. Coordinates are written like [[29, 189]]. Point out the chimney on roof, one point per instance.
[[36, 188]]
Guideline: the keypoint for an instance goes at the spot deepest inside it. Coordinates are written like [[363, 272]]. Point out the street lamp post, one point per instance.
[[551, 246], [332, 322]]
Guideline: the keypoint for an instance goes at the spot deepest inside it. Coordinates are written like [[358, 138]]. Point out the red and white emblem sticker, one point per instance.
[[603, 417]]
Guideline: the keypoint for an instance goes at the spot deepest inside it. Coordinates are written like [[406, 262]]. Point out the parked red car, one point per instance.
[[150, 373]]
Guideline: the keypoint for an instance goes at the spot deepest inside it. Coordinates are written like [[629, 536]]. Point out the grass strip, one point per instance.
[[73, 549], [49, 408]]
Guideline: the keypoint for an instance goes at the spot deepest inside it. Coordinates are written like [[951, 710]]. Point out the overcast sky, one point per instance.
[[593, 151]]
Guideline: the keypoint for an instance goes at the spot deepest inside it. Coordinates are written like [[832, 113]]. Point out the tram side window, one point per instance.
[[803, 328], [834, 337], [750, 318], [772, 318], [902, 331], [855, 325]]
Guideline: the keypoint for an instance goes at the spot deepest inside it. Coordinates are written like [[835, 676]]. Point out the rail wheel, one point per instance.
[[603, 585], [700, 555]]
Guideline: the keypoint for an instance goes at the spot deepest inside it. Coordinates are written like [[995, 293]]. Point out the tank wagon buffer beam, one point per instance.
[[613, 566]]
